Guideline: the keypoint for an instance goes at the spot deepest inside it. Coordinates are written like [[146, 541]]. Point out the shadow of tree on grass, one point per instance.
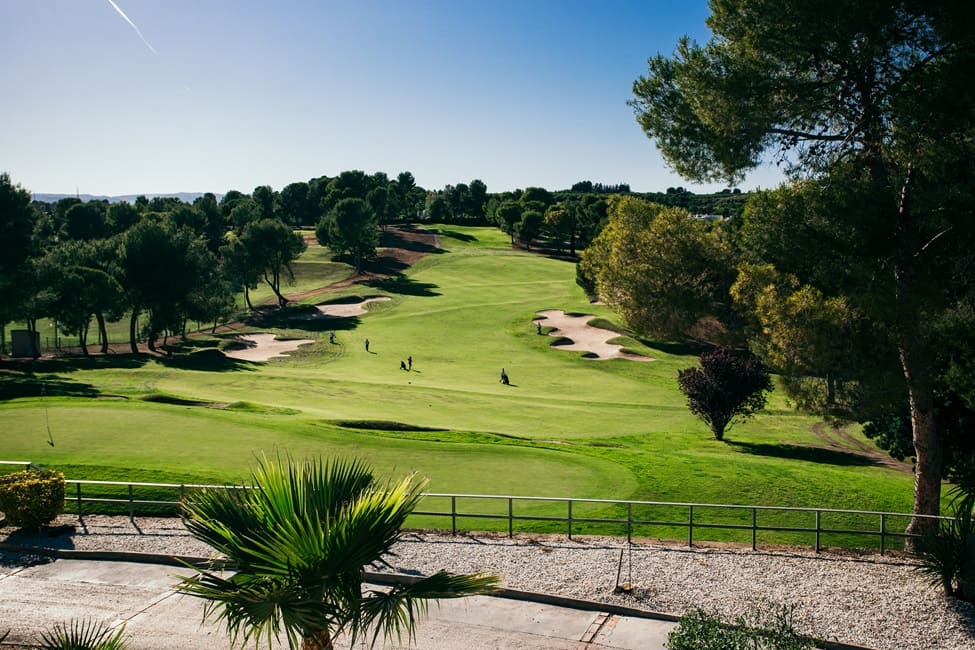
[[404, 285], [803, 453], [209, 360], [13, 386], [393, 239]]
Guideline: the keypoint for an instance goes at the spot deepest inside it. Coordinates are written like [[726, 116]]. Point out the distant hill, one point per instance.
[[187, 197]]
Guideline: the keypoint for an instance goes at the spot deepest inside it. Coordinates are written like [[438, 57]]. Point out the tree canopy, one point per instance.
[[350, 227], [728, 388], [872, 103]]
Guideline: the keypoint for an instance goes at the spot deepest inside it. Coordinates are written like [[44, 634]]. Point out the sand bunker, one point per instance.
[[261, 347], [585, 338], [346, 309], [340, 309]]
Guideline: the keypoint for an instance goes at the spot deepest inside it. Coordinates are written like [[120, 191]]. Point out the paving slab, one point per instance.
[[140, 596]]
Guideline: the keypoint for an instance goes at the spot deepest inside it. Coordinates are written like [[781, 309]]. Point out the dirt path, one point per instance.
[[840, 440], [594, 341]]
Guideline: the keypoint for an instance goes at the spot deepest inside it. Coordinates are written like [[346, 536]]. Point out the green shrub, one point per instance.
[[32, 498], [767, 629], [948, 553]]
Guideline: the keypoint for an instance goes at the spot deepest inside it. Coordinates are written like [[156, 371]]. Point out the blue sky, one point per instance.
[[236, 94]]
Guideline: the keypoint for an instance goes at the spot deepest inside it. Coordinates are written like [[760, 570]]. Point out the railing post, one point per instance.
[[629, 523], [131, 504], [511, 519], [78, 496], [690, 526], [754, 528], [453, 515], [569, 520], [818, 523], [883, 532]]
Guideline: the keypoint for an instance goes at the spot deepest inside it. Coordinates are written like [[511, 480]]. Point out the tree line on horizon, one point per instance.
[[163, 262]]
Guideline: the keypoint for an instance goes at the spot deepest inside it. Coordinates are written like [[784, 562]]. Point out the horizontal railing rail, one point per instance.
[[691, 515], [477, 507], [25, 464]]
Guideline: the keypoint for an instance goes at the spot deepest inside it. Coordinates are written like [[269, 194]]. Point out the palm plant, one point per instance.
[[947, 553], [299, 541], [82, 635]]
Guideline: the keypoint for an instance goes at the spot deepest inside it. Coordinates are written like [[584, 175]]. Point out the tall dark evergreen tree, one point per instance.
[[875, 99]]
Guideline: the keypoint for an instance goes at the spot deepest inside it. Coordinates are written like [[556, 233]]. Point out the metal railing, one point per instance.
[[25, 464], [641, 517], [690, 516]]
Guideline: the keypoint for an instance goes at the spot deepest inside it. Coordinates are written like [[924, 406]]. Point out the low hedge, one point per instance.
[[32, 498]]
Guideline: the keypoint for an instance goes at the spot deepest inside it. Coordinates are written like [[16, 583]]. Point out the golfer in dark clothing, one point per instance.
[[367, 345], [409, 361], [402, 365]]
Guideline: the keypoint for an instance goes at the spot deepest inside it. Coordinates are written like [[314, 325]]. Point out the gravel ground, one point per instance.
[[869, 600]]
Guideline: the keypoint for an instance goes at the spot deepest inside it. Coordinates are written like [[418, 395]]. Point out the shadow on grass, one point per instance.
[[393, 239], [385, 265], [808, 454], [72, 363], [453, 234], [209, 360], [13, 386], [679, 348], [305, 318], [404, 285]]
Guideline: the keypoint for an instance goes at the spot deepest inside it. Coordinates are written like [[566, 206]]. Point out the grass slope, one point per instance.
[[567, 426]]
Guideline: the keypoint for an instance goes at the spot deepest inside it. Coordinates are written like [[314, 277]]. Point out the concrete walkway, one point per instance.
[[33, 599]]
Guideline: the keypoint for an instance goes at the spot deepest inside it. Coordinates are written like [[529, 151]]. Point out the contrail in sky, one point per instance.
[[122, 14]]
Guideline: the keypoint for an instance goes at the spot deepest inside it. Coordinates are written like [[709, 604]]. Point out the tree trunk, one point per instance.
[[830, 390], [275, 283], [320, 640], [34, 338], [133, 322], [927, 444], [83, 339], [3, 338], [102, 332], [247, 299]]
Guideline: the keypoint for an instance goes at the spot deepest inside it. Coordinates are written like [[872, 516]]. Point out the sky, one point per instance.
[[152, 96]]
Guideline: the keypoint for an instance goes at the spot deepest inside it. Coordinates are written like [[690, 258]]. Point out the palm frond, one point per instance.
[[390, 613], [83, 634], [298, 541], [254, 607]]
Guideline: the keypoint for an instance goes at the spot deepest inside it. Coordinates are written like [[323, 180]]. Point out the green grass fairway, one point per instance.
[[566, 426]]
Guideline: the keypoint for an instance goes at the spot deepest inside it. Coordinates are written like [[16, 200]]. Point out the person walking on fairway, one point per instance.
[[331, 338], [367, 345], [409, 361], [504, 377]]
